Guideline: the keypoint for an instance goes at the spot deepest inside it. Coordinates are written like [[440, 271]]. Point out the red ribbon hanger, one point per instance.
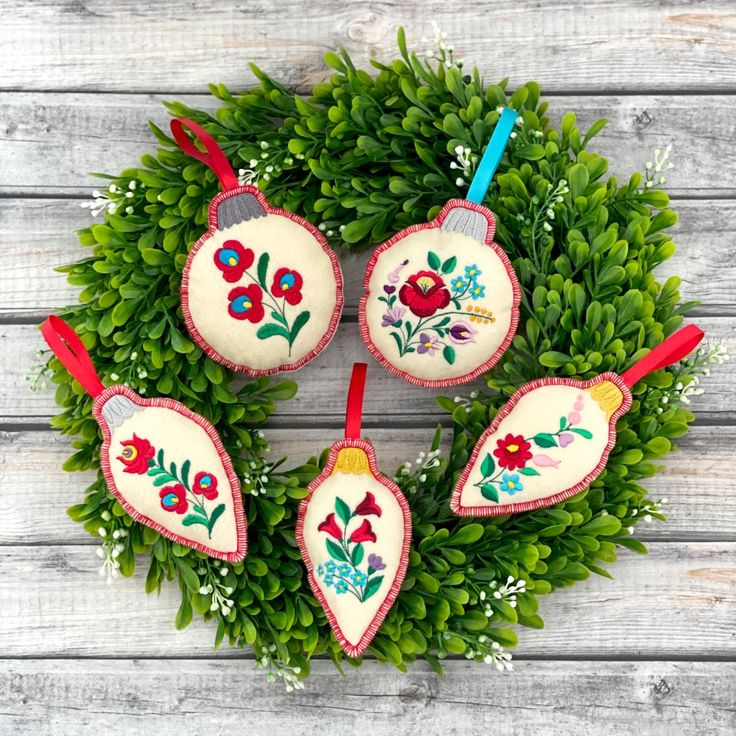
[[354, 410]]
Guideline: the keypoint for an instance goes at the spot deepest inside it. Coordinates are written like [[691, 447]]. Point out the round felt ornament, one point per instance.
[[261, 290], [165, 464], [441, 301], [354, 531], [552, 438]]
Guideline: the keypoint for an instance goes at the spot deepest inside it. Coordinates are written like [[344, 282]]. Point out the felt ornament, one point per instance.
[[354, 530], [165, 464], [441, 299], [552, 438], [261, 290]]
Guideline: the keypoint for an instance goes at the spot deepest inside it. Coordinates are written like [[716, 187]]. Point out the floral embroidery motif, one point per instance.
[[176, 493], [435, 296], [250, 302], [513, 452], [346, 571]]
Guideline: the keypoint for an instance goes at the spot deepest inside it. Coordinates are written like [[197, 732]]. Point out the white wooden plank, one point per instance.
[[323, 382], [114, 44], [677, 601], [696, 510], [170, 697], [52, 141], [38, 236]]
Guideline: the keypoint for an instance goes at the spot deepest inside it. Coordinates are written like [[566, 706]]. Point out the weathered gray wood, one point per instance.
[[51, 143], [109, 44], [696, 510], [390, 400], [677, 601], [38, 235], [552, 698]]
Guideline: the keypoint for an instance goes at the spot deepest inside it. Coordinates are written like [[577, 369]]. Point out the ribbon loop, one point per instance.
[[212, 156], [492, 156], [354, 410], [674, 348], [70, 350]]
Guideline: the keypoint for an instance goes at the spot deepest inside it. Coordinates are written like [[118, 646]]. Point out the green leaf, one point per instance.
[[185, 473], [468, 534], [262, 271], [187, 575], [192, 519], [488, 465], [372, 586], [271, 330], [544, 439], [602, 526], [278, 317], [448, 353], [490, 492], [343, 510], [449, 265], [356, 557], [336, 551], [301, 319], [582, 432], [528, 471], [184, 614], [217, 512], [434, 260]]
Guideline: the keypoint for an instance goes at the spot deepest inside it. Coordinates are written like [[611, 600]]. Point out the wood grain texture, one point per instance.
[[50, 143], [170, 697], [66, 45]]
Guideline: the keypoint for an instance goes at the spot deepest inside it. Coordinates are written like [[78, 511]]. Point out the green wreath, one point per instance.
[[363, 157]]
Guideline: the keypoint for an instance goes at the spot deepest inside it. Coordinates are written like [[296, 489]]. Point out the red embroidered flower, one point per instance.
[[206, 484], [246, 302], [135, 455], [330, 526], [287, 284], [512, 451], [363, 533], [424, 293], [232, 259], [174, 498], [368, 506]]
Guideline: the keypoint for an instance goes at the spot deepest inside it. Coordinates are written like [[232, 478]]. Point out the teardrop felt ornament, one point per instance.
[[261, 291], [441, 300], [553, 437], [165, 464], [354, 531]]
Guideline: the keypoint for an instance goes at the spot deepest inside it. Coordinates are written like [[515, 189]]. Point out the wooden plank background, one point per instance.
[[651, 652]]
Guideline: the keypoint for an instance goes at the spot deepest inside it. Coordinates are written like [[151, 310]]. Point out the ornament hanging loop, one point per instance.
[[354, 410], [70, 350], [212, 156]]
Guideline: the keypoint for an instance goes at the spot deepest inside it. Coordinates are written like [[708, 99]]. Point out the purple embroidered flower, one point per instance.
[[389, 289], [461, 332], [427, 344], [394, 277], [392, 317], [566, 438], [376, 562]]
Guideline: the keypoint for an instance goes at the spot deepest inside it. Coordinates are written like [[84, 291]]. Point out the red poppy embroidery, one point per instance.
[[287, 284], [174, 498], [364, 533], [206, 484], [330, 526], [424, 293], [246, 302], [135, 455], [232, 259], [512, 452], [368, 506]]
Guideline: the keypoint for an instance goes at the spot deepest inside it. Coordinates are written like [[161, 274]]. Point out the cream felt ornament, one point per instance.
[[261, 291], [165, 464], [552, 438], [441, 300], [354, 531]]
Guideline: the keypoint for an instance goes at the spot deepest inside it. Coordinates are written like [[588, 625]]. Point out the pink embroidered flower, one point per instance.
[[287, 284], [461, 332], [364, 533], [233, 259], [393, 316], [246, 303], [330, 526], [574, 418], [544, 461], [135, 455], [394, 277], [566, 439], [368, 506], [206, 484], [174, 498]]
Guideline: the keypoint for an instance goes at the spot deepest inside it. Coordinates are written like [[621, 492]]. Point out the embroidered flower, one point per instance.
[[368, 506], [461, 333], [566, 438], [341, 587], [246, 302], [330, 526], [545, 461], [320, 570], [174, 498], [389, 289], [358, 578], [232, 259], [458, 284], [364, 533], [393, 316], [329, 579], [206, 484], [472, 272], [344, 570], [394, 276], [135, 455], [287, 284], [510, 484], [424, 293], [574, 418], [428, 344], [512, 452], [477, 291], [330, 566], [375, 562]]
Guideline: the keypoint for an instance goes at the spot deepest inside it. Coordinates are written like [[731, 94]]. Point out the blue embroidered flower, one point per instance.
[[458, 284], [344, 570], [477, 291], [341, 587], [510, 484], [472, 272], [330, 566], [320, 570], [358, 578], [329, 579]]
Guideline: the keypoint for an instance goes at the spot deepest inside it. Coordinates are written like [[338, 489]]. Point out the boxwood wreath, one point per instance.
[[363, 157]]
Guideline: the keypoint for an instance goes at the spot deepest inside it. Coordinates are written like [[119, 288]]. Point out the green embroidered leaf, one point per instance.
[[489, 491], [271, 330], [163, 479], [160, 458], [343, 510], [301, 319], [185, 473], [563, 423], [199, 510], [155, 471], [279, 318], [544, 439], [528, 471], [336, 551], [191, 519], [449, 265], [215, 515], [408, 327], [172, 471], [357, 555], [488, 465], [582, 432], [372, 586], [263, 270], [434, 260], [448, 354], [442, 322], [399, 342]]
